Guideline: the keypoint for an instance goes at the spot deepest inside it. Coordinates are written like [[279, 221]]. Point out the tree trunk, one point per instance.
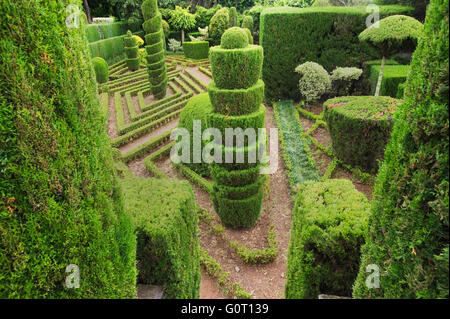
[[182, 35], [88, 11], [380, 77]]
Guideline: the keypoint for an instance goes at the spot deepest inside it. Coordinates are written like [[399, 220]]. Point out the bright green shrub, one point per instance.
[[131, 51], [343, 80], [234, 38], [325, 35], [408, 230], [101, 69], [218, 24], [238, 101], [60, 202], [314, 81], [155, 40], [247, 23], [233, 16], [393, 76], [249, 35], [236, 68], [197, 108], [196, 50], [164, 214], [360, 127], [329, 224], [139, 41], [166, 28]]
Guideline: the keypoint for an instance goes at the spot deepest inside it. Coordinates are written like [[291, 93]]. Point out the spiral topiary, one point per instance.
[[155, 40], [236, 97], [131, 50]]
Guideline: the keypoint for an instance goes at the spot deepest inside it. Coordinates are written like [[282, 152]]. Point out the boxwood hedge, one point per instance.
[[325, 35], [196, 49]]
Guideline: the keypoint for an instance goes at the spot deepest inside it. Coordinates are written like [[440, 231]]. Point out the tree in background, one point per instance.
[[182, 20]]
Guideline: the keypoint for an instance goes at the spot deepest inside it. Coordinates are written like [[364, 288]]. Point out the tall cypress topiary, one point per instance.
[[154, 39], [60, 200], [408, 229], [131, 50], [236, 94]]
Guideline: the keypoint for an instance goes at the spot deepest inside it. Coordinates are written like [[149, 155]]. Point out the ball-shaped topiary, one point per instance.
[[234, 38], [101, 69], [314, 81], [155, 48], [218, 24]]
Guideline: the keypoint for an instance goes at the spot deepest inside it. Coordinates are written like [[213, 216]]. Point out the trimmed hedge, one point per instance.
[[197, 108], [393, 76], [218, 24], [165, 216], [236, 102], [196, 50], [61, 202], [329, 224], [360, 127], [154, 38], [247, 23], [101, 69], [326, 35], [408, 234], [236, 68], [110, 30], [131, 51]]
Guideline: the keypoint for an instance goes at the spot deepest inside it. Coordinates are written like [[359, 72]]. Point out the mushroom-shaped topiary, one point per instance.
[[390, 35], [234, 38]]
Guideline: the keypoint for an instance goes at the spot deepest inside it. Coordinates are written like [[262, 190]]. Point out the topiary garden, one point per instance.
[[270, 149]]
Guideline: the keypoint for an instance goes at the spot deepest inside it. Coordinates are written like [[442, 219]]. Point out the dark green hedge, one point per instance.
[[408, 233], [326, 35], [110, 30], [329, 224], [360, 127], [393, 76], [164, 214], [60, 200], [196, 50]]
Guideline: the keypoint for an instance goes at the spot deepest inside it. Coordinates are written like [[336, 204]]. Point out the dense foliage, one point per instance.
[[131, 51], [314, 81], [218, 24], [408, 231], [60, 200], [329, 224], [101, 69], [196, 49]]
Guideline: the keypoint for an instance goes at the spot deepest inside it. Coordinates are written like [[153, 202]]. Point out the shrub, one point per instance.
[[393, 76], [343, 80], [314, 81], [326, 35], [101, 69], [164, 214], [166, 28], [196, 50], [249, 35], [197, 108], [174, 45], [329, 223], [247, 22], [409, 219], [218, 24], [139, 41], [236, 69], [234, 38], [155, 39], [233, 16], [360, 127], [131, 51], [61, 202], [389, 36]]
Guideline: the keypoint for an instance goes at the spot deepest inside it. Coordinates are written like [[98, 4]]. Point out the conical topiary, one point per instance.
[[131, 51], [154, 39], [236, 94]]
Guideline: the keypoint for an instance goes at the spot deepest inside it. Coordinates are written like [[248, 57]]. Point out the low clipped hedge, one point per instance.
[[360, 127], [329, 223], [164, 214], [393, 76], [325, 35], [197, 108], [196, 49], [233, 178], [101, 69], [236, 68], [236, 102]]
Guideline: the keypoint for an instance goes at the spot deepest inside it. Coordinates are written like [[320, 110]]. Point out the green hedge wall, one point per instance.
[[196, 50], [360, 127], [393, 76], [61, 202], [111, 30], [329, 224], [164, 214], [326, 35], [408, 233]]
